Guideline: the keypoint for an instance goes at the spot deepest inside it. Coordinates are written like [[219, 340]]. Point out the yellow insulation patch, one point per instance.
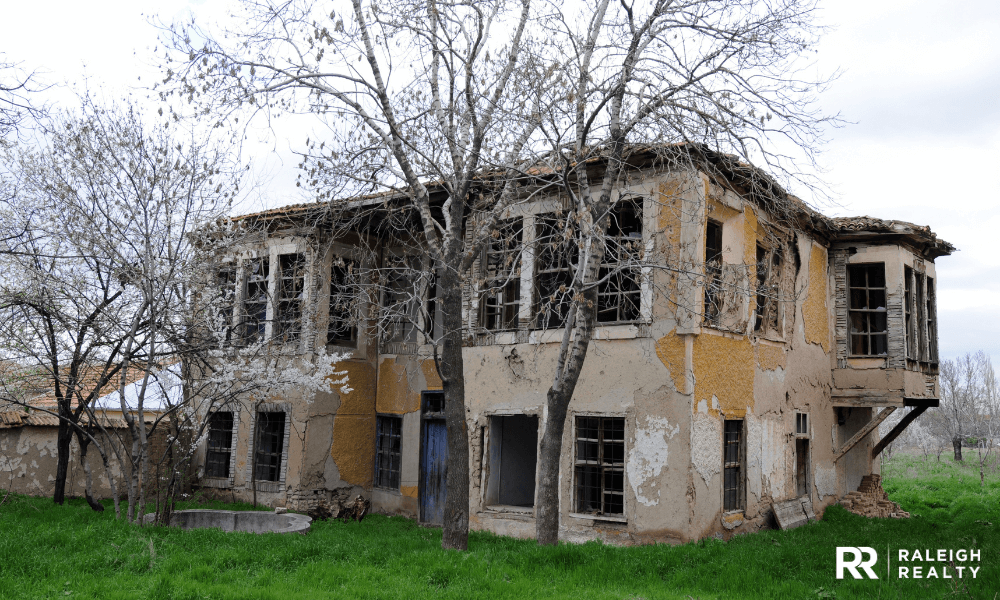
[[353, 447], [815, 316], [670, 351], [724, 368], [770, 358]]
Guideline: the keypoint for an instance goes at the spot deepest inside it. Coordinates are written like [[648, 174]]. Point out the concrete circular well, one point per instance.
[[238, 520]]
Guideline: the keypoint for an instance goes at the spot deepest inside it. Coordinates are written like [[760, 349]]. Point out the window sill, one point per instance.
[[594, 517], [217, 482], [270, 486], [527, 511]]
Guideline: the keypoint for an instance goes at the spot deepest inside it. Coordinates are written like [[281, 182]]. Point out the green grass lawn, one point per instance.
[[47, 551]]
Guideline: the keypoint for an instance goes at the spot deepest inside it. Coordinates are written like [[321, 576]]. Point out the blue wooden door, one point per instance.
[[433, 471]]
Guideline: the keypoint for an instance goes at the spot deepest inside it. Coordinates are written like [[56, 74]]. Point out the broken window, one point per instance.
[[869, 331], [769, 262], [388, 451], [400, 298], [225, 282], [555, 258], [344, 296], [255, 300], [713, 272], [220, 444], [618, 294], [732, 451], [908, 309], [432, 402], [600, 465], [290, 297], [270, 445], [513, 456], [932, 351], [500, 301]]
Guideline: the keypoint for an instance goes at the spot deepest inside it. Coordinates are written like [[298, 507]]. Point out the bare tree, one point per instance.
[[693, 78], [425, 92], [104, 212], [964, 404], [16, 88]]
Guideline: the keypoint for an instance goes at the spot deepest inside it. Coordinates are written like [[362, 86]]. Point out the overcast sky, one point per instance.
[[920, 83]]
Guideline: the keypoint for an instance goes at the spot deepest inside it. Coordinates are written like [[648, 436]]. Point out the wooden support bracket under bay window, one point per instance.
[[898, 429], [868, 428]]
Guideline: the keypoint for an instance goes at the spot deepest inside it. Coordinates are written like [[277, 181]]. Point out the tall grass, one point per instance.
[[48, 551]]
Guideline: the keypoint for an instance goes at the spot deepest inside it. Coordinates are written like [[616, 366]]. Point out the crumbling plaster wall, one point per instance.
[[28, 458], [763, 383]]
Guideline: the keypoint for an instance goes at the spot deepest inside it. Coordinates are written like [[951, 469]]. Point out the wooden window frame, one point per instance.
[[733, 465], [388, 451], [601, 464], [867, 315]]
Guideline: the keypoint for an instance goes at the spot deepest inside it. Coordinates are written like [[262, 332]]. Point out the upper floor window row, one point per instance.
[[868, 311], [260, 299], [543, 258]]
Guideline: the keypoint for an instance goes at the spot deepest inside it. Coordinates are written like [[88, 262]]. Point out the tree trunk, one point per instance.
[[63, 439], [452, 370], [557, 407], [88, 491], [957, 445]]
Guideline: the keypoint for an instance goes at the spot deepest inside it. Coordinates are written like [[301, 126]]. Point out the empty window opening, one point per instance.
[[869, 330], [388, 451], [713, 272], [555, 259], [400, 299], [769, 265], [226, 303], [932, 350], [908, 309], [600, 465], [501, 297], [619, 294], [732, 451], [270, 445], [344, 288], [801, 467], [220, 444], [432, 403], [255, 300], [291, 297], [513, 456]]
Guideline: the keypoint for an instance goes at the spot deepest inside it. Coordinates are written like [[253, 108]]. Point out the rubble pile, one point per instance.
[[870, 500]]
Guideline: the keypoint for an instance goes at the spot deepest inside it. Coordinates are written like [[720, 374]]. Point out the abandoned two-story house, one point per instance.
[[744, 362]]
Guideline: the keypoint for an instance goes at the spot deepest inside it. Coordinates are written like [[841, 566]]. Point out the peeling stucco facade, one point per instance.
[[677, 380]]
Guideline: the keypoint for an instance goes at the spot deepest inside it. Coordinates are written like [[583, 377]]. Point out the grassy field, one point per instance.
[[59, 552]]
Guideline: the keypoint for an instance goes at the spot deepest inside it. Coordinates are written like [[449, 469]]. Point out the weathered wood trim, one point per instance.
[[840, 305], [898, 429]]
